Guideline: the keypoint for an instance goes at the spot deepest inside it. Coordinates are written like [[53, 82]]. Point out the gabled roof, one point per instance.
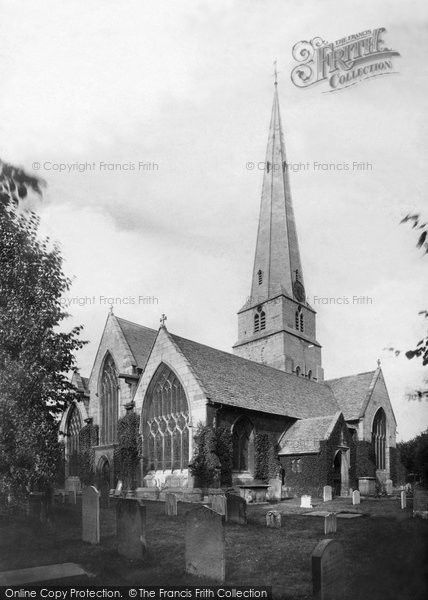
[[304, 436], [352, 392], [140, 340], [80, 383], [236, 381]]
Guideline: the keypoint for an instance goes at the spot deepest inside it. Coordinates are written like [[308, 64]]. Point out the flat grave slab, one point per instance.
[[348, 515], [317, 513], [57, 572]]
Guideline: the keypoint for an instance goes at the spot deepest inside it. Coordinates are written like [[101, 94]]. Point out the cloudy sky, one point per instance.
[[186, 89]]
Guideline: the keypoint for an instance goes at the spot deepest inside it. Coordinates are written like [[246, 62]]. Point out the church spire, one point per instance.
[[277, 263]]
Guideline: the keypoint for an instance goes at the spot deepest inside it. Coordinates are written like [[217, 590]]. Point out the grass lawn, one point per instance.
[[386, 551]]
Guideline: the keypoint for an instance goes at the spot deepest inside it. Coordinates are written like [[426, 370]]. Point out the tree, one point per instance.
[[35, 356], [414, 456]]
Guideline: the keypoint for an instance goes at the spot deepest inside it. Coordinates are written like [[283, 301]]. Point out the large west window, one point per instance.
[[74, 425], [109, 401], [379, 438], [166, 422]]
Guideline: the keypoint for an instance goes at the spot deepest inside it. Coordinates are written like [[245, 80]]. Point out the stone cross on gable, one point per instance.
[[163, 319]]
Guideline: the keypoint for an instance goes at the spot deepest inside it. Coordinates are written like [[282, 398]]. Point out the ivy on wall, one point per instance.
[[128, 451], [88, 438], [212, 461], [267, 465]]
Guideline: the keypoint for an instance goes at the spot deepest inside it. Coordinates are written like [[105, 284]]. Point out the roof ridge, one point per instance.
[[247, 360], [352, 375], [134, 323]]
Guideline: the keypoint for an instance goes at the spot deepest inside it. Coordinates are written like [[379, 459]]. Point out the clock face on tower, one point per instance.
[[299, 291]]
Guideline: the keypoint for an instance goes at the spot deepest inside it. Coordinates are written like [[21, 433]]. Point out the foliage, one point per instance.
[[267, 465], [88, 439], [128, 452], [212, 460], [414, 456], [35, 358]]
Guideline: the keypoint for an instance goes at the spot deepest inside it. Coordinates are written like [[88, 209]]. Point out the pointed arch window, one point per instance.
[[260, 276], [298, 370], [242, 436], [379, 438], [166, 422], [298, 320], [262, 320], [109, 401], [309, 374], [74, 425], [301, 321]]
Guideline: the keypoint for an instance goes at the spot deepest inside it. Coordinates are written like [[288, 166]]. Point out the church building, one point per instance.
[[339, 432]]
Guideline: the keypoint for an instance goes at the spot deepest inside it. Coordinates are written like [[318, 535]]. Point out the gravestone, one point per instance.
[[170, 504], [403, 499], [330, 523], [65, 573], [236, 509], [327, 493], [305, 502], [131, 528], [355, 497], [420, 502], [274, 491], [273, 519], [388, 487], [219, 504], [35, 505], [118, 490], [205, 544], [91, 515], [72, 496], [328, 576]]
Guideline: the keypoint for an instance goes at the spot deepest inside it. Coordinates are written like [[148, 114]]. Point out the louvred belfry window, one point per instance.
[[166, 422], [109, 401], [74, 425]]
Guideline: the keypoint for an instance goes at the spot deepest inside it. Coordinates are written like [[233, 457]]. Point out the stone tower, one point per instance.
[[276, 326]]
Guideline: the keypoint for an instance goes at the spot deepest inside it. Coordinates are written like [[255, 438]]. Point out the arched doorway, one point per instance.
[[341, 473], [104, 481]]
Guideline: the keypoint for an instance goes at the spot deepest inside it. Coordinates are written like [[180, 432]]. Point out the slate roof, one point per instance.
[[140, 340], [351, 393], [235, 381], [80, 383], [304, 436]]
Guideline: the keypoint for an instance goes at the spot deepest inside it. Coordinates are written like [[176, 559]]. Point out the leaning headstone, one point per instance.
[[205, 544], [219, 504], [355, 497], [403, 499], [388, 487], [273, 518], [327, 493], [91, 515], [170, 504], [236, 509], [328, 573], [131, 528], [330, 523], [305, 502], [118, 490]]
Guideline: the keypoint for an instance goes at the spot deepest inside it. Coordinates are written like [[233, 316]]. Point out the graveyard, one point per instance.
[[384, 546]]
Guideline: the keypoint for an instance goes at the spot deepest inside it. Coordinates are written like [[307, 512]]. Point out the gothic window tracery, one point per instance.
[[379, 438], [166, 422], [241, 437], [109, 401], [74, 425]]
